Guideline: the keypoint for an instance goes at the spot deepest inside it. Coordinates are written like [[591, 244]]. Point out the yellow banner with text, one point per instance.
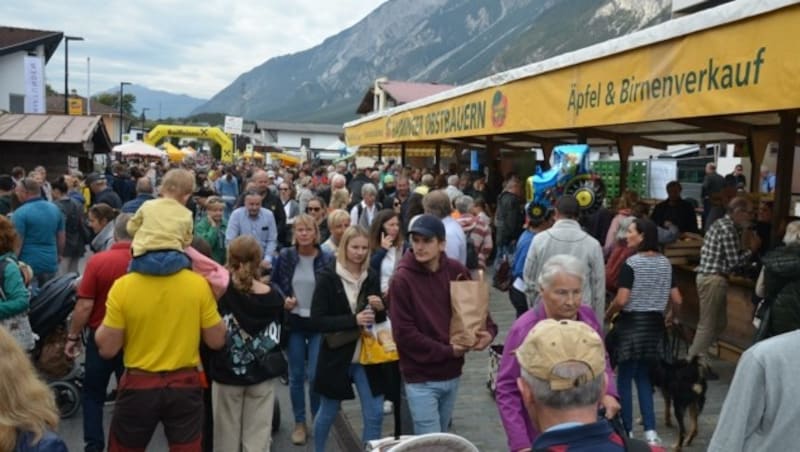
[[742, 67]]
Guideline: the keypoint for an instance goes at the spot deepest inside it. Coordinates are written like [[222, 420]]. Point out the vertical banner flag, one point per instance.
[[34, 85]]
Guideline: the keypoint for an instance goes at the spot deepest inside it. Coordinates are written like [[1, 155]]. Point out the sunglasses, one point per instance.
[[313, 209], [283, 189]]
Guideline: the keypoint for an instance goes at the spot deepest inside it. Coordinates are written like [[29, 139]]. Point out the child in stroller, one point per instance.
[[49, 309]]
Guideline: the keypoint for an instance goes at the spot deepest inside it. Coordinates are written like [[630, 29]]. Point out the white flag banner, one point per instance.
[[34, 85]]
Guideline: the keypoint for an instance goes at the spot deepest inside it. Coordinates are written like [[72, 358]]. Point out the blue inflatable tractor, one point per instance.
[[569, 175]]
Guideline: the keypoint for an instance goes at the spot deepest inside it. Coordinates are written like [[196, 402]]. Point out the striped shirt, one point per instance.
[[649, 279], [721, 250]]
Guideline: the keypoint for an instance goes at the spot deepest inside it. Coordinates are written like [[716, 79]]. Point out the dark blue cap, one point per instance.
[[428, 226]]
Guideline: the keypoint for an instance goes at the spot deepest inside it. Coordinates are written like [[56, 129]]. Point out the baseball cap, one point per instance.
[[94, 177], [427, 225], [552, 342], [388, 179], [567, 206]]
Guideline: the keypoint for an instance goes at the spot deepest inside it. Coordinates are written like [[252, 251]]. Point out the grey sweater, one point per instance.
[[763, 402], [567, 237]]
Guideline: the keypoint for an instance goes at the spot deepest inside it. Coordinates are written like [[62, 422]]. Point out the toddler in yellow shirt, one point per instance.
[[162, 228]]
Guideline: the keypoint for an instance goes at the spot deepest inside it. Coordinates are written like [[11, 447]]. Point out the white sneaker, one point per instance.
[[388, 407], [652, 438]]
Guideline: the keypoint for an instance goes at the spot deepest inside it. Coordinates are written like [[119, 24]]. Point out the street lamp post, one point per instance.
[[144, 109], [67, 39], [121, 88]]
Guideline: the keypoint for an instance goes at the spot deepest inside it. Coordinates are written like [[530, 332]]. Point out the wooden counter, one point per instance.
[[738, 334]]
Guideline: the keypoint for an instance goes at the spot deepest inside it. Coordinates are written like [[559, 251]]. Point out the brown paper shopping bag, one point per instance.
[[469, 301]]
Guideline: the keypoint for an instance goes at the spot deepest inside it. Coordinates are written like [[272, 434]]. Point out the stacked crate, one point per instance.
[[608, 170]]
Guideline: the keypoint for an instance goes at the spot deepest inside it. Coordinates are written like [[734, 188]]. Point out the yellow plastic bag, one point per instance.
[[377, 346]]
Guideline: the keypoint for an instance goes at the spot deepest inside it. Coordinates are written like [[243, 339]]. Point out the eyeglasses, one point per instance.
[[284, 189], [313, 209]]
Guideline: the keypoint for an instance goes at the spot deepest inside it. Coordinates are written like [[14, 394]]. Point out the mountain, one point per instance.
[[443, 41], [160, 104]]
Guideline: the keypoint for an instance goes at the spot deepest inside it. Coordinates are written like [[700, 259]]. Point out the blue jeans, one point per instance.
[[371, 411], [303, 344], [160, 263], [95, 382], [639, 372], [431, 404]]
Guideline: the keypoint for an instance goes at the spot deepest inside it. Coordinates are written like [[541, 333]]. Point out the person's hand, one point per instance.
[[386, 241], [611, 404], [459, 350], [72, 349], [668, 319], [365, 317], [266, 264], [289, 303], [484, 338], [376, 302]]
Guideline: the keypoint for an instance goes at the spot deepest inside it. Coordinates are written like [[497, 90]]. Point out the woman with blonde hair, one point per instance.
[[338, 221], [347, 298], [28, 413], [340, 198], [625, 204], [243, 392], [295, 272]]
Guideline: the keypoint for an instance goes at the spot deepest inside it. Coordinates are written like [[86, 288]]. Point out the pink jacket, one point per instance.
[[519, 429], [216, 275]]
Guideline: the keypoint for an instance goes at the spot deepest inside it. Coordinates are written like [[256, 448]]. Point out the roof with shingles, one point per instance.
[[14, 39]]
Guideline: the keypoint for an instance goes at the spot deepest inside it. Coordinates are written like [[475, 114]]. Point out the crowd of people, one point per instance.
[[205, 286]]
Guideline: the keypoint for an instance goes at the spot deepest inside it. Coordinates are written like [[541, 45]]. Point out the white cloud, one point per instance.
[[188, 47]]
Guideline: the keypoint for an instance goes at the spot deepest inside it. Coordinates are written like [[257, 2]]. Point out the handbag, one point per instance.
[[502, 276], [469, 303], [377, 346], [339, 339], [261, 351]]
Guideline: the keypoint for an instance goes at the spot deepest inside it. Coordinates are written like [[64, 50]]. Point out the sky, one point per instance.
[[185, 47]]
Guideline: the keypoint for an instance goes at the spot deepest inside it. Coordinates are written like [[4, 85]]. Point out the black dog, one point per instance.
[[683, 384]]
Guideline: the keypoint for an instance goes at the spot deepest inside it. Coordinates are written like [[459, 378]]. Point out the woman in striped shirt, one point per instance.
[[645, 286]]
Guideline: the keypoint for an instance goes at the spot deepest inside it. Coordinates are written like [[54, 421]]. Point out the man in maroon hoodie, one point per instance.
[[420, 311]]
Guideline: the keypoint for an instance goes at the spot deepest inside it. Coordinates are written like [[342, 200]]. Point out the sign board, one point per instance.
[[233, 124], [743, 67], [75, 106], [661, 172]]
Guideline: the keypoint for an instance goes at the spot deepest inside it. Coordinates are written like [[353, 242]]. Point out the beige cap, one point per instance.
[[552, 342]]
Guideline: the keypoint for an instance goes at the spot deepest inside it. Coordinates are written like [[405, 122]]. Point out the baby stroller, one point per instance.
[[49, 310]]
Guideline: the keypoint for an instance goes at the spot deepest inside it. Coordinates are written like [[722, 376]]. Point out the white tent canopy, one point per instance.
[[138, 149]]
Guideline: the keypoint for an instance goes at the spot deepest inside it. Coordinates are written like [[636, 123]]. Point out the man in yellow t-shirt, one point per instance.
[[159, 321]]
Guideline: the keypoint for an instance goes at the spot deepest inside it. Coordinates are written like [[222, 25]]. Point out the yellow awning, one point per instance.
[[285, 158]]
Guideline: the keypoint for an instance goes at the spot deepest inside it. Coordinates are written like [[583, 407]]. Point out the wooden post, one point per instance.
[[403, 153], [547, 151], [758, 141], [438, 157], [380, 152], [625, 148], [495, 181], [784, 169]]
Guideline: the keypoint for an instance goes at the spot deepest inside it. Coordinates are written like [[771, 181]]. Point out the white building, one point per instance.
[[292, 136], [23, 56]]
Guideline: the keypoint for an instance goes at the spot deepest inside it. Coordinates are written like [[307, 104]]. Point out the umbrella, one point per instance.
[[138, 149]]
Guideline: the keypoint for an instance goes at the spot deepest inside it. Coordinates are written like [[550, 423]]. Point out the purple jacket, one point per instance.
[[519, 430]]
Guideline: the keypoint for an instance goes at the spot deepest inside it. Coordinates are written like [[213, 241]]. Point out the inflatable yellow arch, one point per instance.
[[215, 134]]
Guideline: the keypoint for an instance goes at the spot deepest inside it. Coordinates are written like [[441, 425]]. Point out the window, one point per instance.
[[305, 142], [16, 103]]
